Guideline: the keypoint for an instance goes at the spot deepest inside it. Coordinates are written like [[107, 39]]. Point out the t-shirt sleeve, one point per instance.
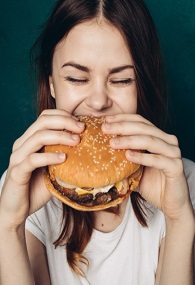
[[189, 168], [35, 225], [2, 180], [45, 224]]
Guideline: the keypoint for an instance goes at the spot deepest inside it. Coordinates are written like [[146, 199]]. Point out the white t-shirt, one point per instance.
[[126, 256]]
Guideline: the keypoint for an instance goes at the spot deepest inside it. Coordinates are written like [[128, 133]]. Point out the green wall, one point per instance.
[[19, 25]]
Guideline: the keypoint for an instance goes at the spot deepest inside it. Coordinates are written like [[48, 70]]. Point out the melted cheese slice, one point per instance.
[[93, 191], [122, 187]]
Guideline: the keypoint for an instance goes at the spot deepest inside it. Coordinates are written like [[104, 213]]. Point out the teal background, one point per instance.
[[19, 24]]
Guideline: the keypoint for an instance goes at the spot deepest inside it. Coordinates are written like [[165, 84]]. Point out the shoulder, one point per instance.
[[45, 224], [189, 169]]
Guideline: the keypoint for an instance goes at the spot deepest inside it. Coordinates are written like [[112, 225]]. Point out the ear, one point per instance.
[[52, 91]]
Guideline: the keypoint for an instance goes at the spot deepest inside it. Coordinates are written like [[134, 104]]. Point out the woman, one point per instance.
[[98, 58]]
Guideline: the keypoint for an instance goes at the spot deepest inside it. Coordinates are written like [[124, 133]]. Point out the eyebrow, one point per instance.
[[120, 68], [86, 69], [76, 65]]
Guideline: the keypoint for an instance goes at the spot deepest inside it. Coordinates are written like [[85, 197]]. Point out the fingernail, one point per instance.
[[107, 126], [75, 137], [61, 156], [115, 140], [80, 124], [130, 153]]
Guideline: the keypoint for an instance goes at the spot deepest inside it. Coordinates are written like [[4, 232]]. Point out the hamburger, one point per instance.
[[94, 176]]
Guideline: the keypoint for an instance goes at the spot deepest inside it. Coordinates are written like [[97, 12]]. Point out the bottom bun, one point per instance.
[[100, 207]]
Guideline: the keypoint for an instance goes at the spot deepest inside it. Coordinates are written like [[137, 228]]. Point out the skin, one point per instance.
[[83, 85]]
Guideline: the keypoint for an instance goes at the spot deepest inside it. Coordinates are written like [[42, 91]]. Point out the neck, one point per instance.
[[108, 221]]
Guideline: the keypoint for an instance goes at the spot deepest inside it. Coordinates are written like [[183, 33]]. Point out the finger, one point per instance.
[[147, 143], [59, 122], [171, 167], [46, 122], [40, 139], [138, 128], [54, 112], [21, 173], [127, 117]]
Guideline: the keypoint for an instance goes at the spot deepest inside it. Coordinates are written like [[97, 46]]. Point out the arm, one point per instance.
[[176, 255], [25, 258], [38, 260], [14, 262], [163, 185], [24, 192]]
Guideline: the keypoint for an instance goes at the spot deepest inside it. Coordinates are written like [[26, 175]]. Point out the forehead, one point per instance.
[[94, 38]]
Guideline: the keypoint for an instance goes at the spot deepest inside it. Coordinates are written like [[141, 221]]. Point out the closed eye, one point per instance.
[[76, 80], [121, 82]]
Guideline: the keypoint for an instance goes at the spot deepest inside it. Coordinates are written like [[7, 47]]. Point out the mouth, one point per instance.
[[97, 115]]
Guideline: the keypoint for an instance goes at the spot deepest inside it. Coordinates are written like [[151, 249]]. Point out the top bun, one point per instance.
[[92, 163]]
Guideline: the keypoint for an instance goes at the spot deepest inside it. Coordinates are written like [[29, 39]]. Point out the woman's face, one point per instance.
[[93, 72]]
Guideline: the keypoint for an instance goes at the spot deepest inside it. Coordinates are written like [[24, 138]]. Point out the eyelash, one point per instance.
[[76, 80], [114, 82], [122, 81]]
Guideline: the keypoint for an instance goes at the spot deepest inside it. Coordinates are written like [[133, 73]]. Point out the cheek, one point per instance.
[[67, 99], [127, 101], [68, 102]]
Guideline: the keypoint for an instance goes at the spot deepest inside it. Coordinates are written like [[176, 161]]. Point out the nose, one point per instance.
[[98, 99]]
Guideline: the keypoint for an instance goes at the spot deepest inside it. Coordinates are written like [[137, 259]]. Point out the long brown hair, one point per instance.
[[133, 19]]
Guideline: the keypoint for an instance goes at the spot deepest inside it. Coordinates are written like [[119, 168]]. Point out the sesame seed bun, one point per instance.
[[91, 164]]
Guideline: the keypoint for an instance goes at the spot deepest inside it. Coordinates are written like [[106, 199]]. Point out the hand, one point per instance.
[[163, 183], [24, 191]]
